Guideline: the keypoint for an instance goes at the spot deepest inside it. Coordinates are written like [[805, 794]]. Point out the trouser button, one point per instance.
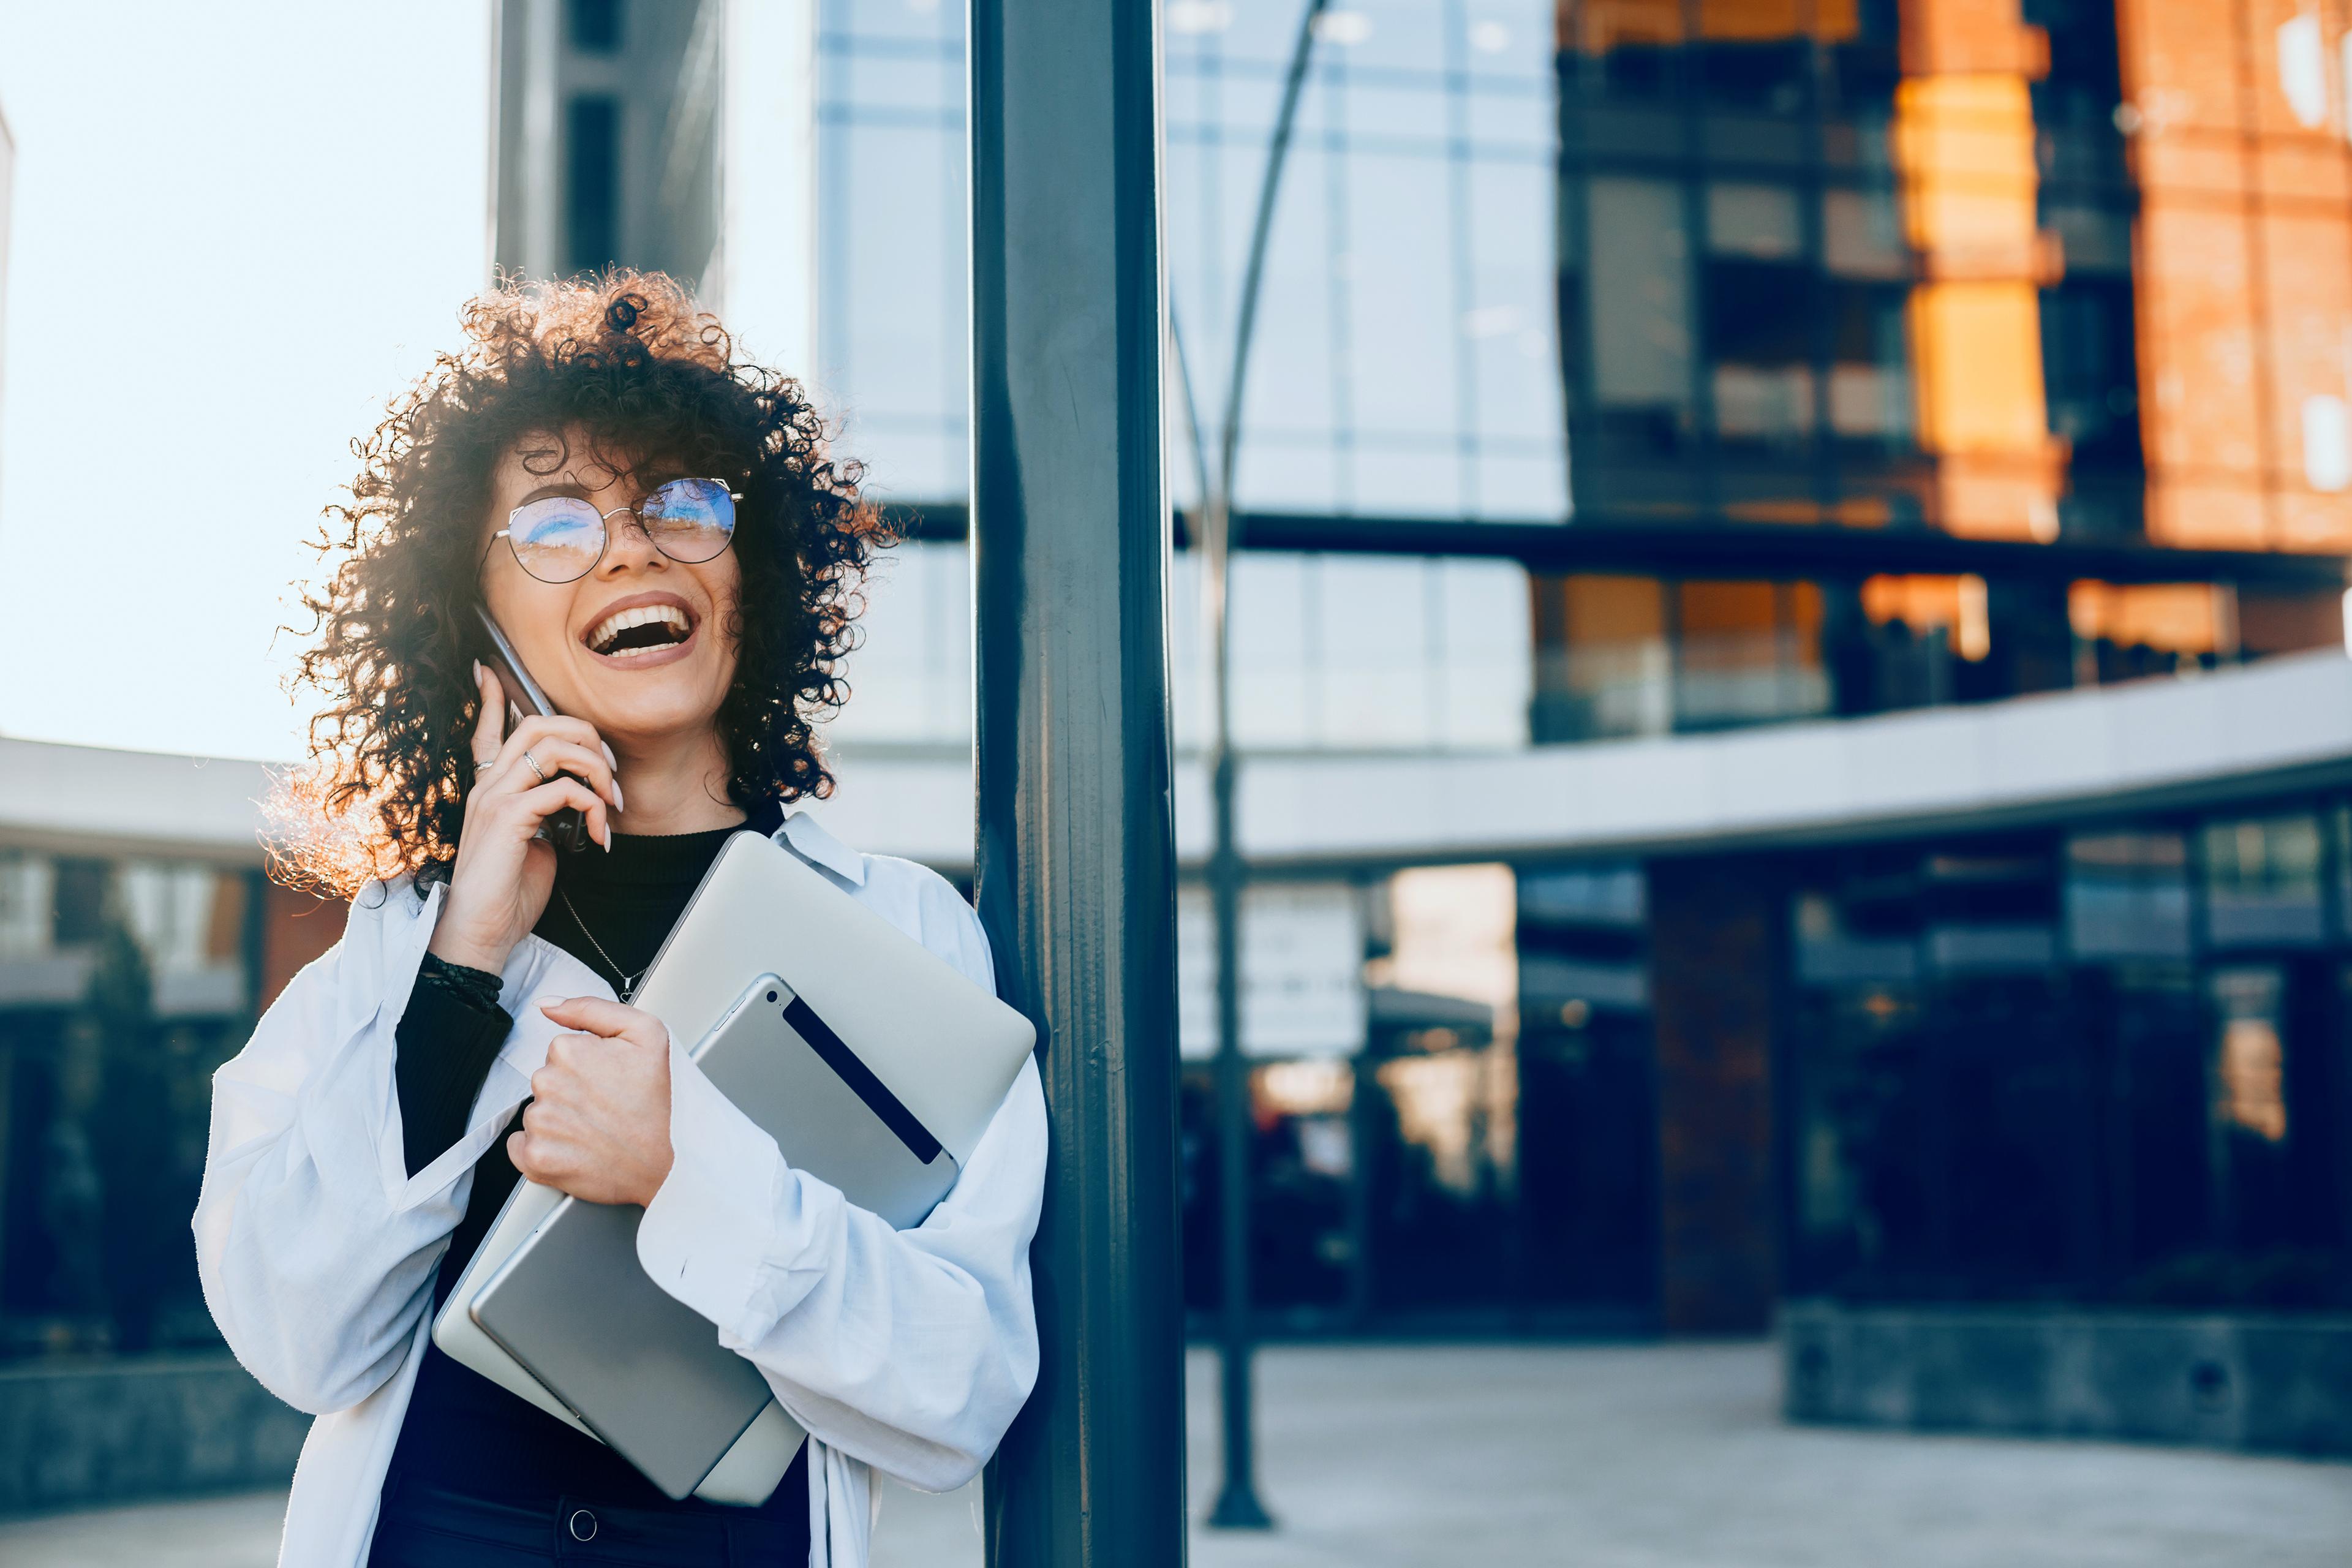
[[584, 1524]]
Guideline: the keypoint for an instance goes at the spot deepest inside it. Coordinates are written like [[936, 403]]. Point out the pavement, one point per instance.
[[1537, 1456]]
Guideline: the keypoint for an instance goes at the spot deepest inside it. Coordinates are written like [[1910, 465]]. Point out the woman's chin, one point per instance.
[[676, 699]]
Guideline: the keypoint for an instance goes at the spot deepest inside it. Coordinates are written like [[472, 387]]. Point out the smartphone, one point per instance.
[[568, 828]]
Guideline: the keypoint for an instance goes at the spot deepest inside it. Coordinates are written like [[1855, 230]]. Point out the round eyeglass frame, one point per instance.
[[603, 520]]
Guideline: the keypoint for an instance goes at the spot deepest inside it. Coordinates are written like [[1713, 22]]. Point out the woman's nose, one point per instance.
[[630, 546]]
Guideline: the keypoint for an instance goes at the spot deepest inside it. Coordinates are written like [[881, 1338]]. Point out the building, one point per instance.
[[1796, 738], [1793, 582], [138, 935]]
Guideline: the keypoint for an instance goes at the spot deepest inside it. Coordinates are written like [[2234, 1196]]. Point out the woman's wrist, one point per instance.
[[452, 947]]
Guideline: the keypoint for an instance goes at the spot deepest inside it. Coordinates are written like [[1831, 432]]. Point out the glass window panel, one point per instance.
[[924, 82], [1761, 221], [1410, 115], [1509, 40], [1401, 297], [1249, 94], [2262, 881], [901, 19], [1291, 360], [1513, 319], [2343, 860], [2128, 895], [1862, 233], [1275, 611], [1280, 471], [909, 675], [2094, 239], [1261, 36], [907, 461], [1639, 304], [1523, 484], [28, 904], [1401, 474], [1196, 31], [1374, 652], [1487, 658], [1507, 117], [894, 328], [1397, 35]]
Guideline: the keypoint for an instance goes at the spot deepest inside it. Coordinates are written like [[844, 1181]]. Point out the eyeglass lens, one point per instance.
[[559, 539]]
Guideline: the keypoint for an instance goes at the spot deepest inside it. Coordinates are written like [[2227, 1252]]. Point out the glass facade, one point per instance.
[[1478, 1153], [122, 985], [2109, 1064], [1888, 285], [2103, 1063], [1997, 272]]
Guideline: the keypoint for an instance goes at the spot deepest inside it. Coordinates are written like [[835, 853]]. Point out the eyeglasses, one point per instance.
[[560, 539]]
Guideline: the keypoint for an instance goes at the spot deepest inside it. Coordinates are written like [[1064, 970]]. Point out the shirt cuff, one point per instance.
[[710, 1235]]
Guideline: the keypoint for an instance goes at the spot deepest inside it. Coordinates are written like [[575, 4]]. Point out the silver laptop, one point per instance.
[[634, 1364], [876, 1068]]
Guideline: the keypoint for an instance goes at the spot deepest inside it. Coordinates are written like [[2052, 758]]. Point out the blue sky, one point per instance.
[[230, 242]]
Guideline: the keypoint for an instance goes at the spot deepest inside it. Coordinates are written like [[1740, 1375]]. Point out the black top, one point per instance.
[[462, 1431]]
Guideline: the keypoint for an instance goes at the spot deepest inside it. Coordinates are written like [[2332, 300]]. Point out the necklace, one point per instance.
[[628, 985]]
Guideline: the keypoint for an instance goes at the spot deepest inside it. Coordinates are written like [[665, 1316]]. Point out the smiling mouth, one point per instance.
[[631, 634]]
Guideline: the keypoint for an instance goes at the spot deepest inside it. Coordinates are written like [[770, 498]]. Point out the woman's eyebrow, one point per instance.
[[544, 492]]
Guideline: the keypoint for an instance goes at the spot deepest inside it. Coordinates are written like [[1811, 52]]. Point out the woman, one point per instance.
[[660, 532]]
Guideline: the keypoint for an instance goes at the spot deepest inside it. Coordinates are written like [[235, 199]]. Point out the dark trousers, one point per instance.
[[425, 1527]]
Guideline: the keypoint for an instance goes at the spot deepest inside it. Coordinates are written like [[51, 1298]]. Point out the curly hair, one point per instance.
[[626, 360]]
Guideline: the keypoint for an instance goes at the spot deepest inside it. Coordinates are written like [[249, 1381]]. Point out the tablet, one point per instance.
[[631, 1362]]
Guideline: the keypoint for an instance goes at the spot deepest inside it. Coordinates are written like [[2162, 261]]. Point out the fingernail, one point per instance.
[[609, 757], [619, 801], [477, 672]]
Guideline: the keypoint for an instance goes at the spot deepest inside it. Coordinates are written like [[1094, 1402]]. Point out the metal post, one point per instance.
[[1075, 846], [1237, 1506]]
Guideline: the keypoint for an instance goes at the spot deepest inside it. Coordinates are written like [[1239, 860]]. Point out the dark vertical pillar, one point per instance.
[[1715, 955], [1076, 866]]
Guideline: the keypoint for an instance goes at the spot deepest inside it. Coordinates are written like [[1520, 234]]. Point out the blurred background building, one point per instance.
[[1789, 640], [1778, 537]]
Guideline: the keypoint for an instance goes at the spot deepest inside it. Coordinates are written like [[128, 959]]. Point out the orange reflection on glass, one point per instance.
[[2176, 617], [1964, 147], [1439, 1100], [1316, 1087], [1960, 605], [2253, 1079], [1597, 26]]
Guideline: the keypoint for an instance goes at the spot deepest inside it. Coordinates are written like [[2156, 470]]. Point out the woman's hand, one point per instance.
[[598, 1123], [500, 885]]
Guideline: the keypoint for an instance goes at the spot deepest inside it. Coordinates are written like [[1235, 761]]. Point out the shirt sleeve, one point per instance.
[[911, 1350], [449, 1037]]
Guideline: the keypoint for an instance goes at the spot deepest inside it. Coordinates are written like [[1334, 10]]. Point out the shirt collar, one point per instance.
[[815, 845]]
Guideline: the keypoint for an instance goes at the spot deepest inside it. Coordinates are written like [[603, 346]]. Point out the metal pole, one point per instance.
[[1237, 1506], [1075, 845]]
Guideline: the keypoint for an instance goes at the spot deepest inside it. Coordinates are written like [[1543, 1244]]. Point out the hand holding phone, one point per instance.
[[528, 771], [568, 828]]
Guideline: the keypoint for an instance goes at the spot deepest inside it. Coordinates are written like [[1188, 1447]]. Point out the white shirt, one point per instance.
[[910, 1351]]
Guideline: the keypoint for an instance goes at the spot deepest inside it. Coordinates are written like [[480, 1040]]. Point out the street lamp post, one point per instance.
[[1237, 1506], [1074, 857]]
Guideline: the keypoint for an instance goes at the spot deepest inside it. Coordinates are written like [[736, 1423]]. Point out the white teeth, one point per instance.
[[601, 636]]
